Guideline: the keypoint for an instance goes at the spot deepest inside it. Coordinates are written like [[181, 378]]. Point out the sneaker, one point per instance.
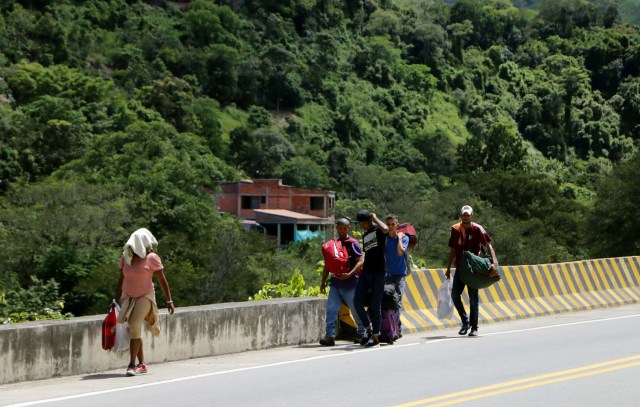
[[359, 338], [131, 370], [373, 341], [365, 339], [327, 341], [474, 332], [464, 329], [141, 368]]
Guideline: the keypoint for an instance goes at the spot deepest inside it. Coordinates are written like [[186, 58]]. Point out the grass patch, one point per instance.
[[443, 115], [230, 119]]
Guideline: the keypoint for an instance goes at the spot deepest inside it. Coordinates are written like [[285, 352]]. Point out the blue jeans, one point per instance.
[[456, 296], [338, 295], [369, 291], [400, 283]]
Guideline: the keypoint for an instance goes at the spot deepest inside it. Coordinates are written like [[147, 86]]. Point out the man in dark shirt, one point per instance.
[[371, 281], [469, 236]]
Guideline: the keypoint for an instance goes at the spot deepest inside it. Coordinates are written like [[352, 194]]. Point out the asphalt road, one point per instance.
[[589, 358]]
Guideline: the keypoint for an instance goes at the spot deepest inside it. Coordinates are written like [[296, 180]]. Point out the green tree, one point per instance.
[[383, 23], [630, 108], [563, 16], [377, 60], [283, 73], [41, 300], [500, 149], [172, 98], [392, 191], [303, 172], [430, 43], [207, 23], [58, 231], [459, 32], [260, 152], [612, 224]]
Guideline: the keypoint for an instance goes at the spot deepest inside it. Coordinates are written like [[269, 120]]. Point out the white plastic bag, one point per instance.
[[122, 335], [445, 303]]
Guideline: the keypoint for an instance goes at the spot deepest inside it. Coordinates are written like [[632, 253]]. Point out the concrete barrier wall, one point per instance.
[[45, 349], [527, 291]]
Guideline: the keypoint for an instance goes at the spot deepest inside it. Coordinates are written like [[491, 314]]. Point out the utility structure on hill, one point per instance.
[[284, 213]]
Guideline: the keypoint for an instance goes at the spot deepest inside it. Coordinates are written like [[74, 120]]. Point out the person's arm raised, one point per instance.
[[383, 226], [401, 248]]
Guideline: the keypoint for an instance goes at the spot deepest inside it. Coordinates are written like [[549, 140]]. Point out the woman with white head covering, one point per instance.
[[138, 264]]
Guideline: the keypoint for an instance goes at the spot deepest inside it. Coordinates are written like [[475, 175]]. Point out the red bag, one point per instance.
[[410, 231], [336, 256], [108, 330]]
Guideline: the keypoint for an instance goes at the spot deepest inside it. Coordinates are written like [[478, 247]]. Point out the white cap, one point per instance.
[[466, 209]]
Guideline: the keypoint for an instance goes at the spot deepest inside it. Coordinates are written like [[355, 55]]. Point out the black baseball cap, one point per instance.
[[363, 215]]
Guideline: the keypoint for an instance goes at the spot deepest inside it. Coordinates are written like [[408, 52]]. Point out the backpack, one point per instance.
[[390, 297], [336, 256], [410, 231]]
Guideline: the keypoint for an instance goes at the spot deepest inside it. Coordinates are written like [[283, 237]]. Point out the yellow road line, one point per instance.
[[526, 383], [538, 384]]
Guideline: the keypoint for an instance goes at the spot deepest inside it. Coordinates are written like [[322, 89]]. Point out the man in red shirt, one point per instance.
[[469, 236]]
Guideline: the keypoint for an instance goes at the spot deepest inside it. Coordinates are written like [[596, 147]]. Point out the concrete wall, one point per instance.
[[529, 291], [40, 350], [45, 349]]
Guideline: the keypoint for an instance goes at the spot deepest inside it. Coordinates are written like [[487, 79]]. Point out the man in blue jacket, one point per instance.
[[396, 247]]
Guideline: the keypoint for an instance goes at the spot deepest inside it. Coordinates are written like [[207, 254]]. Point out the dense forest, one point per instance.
[[117, 114]]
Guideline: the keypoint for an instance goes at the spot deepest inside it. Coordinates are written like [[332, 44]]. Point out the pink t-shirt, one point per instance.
[[138, 277]]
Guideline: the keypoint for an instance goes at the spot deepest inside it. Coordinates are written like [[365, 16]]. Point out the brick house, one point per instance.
[[284, 213]]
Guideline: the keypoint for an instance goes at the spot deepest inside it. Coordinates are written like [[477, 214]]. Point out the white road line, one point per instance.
[[562, 325], [288, 362], [243, 369]]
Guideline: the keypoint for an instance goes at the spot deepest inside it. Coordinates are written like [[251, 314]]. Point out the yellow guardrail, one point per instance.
[[527, 291]]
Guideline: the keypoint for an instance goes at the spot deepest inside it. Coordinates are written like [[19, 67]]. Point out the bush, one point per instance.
[[40, 300], [295, 288]]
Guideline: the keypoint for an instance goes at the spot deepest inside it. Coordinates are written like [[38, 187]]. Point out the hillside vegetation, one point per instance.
[[630, 11], [117, 114]]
